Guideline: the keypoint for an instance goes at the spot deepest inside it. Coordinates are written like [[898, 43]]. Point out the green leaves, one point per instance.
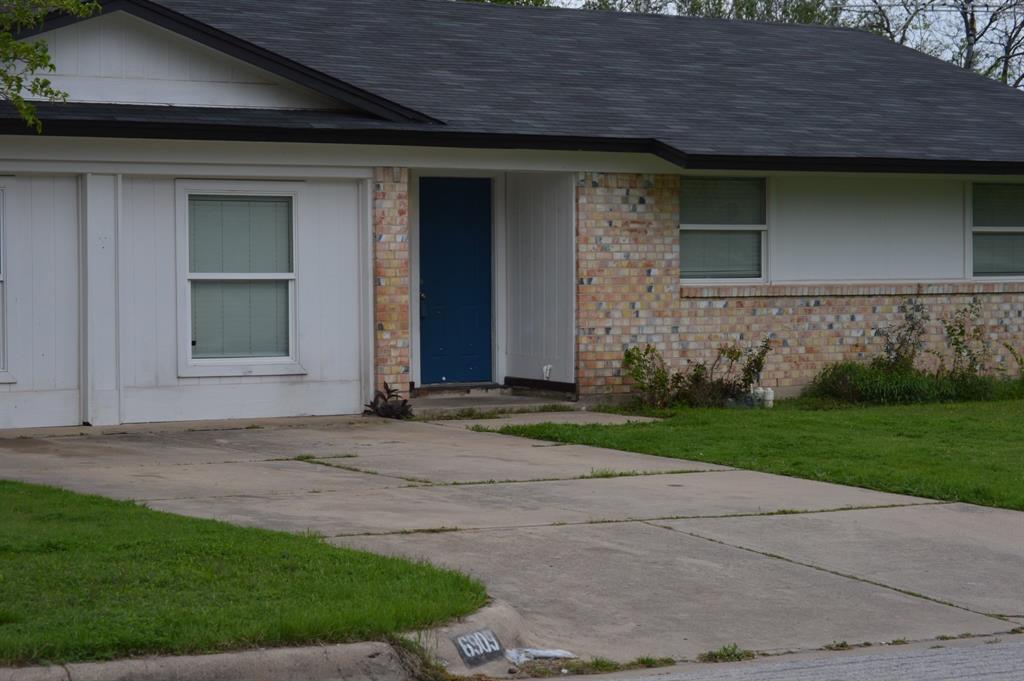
[[22, 62]]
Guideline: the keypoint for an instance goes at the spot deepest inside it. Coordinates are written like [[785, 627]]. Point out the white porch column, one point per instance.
[[100, 381]]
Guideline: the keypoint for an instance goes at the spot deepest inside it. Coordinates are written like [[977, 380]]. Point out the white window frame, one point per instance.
[[5, 374], [972, 230], [763, 229], [240, 366]]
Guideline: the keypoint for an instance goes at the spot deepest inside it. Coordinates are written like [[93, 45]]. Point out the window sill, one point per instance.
[[709, 283], [218, 370], [688, 289]]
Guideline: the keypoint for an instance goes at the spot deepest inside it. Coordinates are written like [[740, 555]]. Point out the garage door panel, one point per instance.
[[40, 290]]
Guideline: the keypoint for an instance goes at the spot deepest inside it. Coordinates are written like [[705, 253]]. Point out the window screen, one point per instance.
[[3, 297], [999, 205], [722, 201], [720, 254], [998, 254], [237, 317], [240, 234]]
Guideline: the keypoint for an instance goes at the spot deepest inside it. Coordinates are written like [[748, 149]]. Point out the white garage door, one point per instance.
[[39, 297]]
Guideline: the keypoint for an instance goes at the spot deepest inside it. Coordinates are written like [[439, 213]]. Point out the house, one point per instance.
[[268, 209]]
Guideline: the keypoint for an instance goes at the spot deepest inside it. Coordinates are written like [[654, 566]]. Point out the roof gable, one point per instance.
[[117, 58], [297, 73]]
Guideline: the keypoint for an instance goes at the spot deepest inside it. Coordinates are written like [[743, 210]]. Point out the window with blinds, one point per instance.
[[3, 290], [241, 274], [720, 254], [998, 230], [723, 222]]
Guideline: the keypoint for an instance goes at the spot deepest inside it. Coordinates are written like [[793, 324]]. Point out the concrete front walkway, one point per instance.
[[601, 552]]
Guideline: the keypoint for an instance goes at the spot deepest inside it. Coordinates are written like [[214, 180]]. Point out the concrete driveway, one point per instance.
[[601, 552]]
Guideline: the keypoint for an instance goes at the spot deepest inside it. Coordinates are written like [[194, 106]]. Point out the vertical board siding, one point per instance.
[[326, 242], [120, 58], [42, 291], [540, 276]]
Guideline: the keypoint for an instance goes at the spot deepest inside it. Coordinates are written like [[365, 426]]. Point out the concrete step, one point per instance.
[[470, 406]]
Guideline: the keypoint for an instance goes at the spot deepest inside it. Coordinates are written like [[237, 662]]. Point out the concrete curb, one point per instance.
[[498, 616], [344, 662], [349, 662]]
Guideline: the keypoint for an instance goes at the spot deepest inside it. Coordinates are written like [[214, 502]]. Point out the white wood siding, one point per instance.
[[328, 309], [858, 228], [118, 58], [42, 295], [540, 244]]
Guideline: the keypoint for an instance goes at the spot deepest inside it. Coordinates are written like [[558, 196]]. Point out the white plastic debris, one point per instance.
[[522, 655]]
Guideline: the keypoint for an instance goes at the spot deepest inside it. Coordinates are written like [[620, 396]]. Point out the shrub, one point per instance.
[[655, 384], [904, 341], [388, 403], [874, 384], [715, 384], [892, 378], [730, 376], [1018, 357], [965, 337]]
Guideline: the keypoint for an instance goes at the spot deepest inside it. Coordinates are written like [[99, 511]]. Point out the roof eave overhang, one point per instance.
[[849, 164], [440, 136]]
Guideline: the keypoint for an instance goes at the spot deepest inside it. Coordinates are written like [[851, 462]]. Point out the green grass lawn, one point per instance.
[[968, 451], [87, 578]]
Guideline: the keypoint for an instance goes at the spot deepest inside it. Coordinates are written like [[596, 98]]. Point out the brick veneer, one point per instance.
[[391, 277], [627, 269], [628, 293], [816, 325]]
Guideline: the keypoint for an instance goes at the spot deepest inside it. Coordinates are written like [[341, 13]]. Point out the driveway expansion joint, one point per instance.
[[812, 566], [620, 521]]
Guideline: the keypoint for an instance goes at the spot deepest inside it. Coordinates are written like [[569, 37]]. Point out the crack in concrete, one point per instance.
[[588, 476], [615, 521], [264, 495], [819, 568]]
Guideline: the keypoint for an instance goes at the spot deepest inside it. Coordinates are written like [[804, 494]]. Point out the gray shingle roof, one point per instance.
[[703, 87]]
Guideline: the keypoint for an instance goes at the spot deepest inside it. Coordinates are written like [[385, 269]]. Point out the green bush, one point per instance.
[[654, 383], [730, 376], [892, 378], [875, 384]]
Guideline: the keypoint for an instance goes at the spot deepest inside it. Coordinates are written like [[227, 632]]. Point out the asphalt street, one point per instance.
[[1000, 661]]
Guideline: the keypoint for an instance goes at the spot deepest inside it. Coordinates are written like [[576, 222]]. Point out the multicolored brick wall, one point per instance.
[[391, 277], [813, 326], [628, 294], [627, 269]]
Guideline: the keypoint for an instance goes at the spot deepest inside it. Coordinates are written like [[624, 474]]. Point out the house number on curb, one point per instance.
[[478, 647]]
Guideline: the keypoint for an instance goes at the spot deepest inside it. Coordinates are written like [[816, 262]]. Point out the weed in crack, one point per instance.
[[728, 653], [838, 645]]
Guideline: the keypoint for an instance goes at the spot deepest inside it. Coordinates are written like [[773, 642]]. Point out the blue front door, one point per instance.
[[455, 280]]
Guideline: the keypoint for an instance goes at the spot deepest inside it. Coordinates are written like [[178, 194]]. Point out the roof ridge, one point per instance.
[[589, 11]]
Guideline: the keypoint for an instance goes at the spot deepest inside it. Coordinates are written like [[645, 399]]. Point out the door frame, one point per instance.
[[498, 274]]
